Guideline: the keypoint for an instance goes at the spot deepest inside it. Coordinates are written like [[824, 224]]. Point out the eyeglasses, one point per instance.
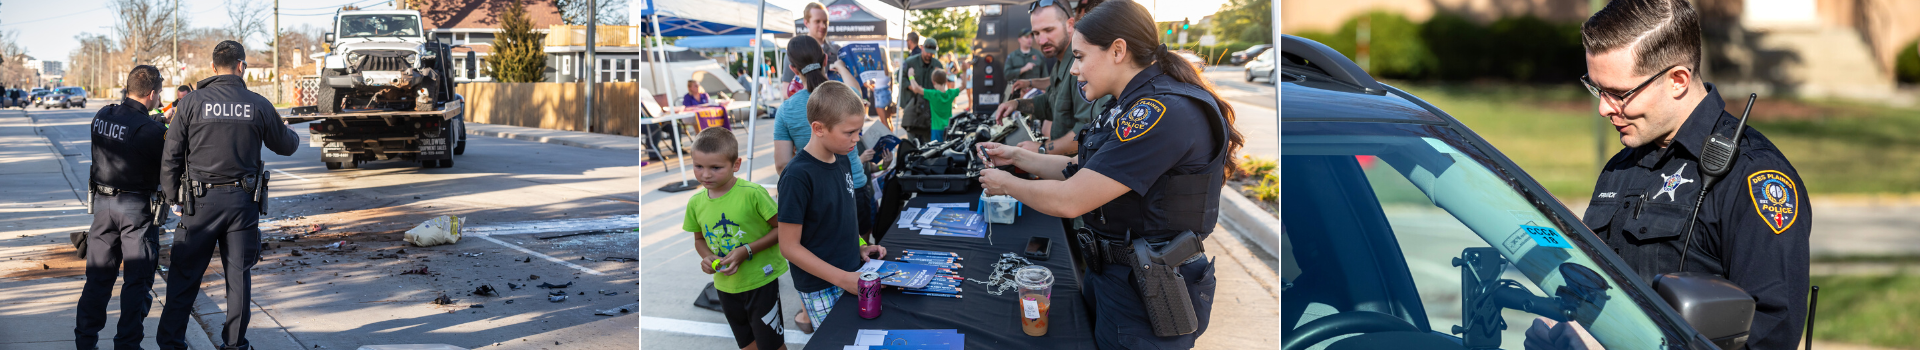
[[1035, 6], [1620, 99]]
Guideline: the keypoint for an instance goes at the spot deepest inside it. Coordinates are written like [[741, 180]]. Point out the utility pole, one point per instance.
[[592, 79], [176, 39], [275, 34]]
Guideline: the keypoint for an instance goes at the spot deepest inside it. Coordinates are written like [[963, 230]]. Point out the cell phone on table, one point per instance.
[[1038, 247]]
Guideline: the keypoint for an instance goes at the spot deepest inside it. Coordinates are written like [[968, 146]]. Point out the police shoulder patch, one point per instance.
[[1139, 119], [1774, 199]]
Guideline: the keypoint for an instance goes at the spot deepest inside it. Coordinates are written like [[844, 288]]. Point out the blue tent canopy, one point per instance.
[[694, 18], [726, 41]]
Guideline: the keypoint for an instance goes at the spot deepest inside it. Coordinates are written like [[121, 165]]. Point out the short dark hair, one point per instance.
[[939, 77], [717, 140], [229, 53], [1659, 33], [831, 102], [185, 88], [143, 80]]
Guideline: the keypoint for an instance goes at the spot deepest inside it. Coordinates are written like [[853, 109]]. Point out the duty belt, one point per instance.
[[1120, 252], [110, 191]]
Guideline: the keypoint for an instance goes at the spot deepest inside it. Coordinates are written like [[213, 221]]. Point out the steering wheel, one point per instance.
[[1342, 324]]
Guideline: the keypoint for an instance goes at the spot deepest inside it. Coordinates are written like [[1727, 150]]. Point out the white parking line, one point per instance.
[[291, 174], [487, 231], [708, 329]]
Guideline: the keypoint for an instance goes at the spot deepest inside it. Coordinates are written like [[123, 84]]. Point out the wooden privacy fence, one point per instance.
[[555, 106]]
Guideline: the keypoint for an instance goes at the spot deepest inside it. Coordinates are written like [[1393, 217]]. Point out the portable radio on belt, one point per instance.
[[1716, 160]]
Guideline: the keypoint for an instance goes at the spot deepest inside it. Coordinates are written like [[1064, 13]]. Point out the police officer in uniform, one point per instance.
[[1752, 222], [916, 72], [1147, 182], [212, 168], [125, 183]]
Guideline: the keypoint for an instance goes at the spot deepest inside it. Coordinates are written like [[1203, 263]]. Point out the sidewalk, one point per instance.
[[40, 279], [558, 137]]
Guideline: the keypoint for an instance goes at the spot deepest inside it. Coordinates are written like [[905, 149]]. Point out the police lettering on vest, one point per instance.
[[229, 110]]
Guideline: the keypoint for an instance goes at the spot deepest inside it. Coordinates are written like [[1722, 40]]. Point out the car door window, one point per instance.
[[1412, 222]]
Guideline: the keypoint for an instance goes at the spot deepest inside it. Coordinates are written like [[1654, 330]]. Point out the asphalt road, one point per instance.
[[323, 298], [1254, 108]]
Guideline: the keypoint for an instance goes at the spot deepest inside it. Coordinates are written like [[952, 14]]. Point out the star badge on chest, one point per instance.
[[1672, 182]]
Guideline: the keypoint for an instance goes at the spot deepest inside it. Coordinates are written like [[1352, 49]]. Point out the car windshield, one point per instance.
[[371, 26], [1408, 223]]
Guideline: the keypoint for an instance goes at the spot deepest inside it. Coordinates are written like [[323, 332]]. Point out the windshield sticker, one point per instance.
[[1546, 236]]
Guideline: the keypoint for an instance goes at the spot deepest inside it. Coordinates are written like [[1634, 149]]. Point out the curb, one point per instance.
[[540, 139], [1252, 223]]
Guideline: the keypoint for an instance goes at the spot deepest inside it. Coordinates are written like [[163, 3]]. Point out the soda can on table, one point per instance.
[[869, 295]]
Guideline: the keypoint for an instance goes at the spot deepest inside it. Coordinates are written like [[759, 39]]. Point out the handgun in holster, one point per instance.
[[187, 190], [157, 204], [1162, 288], [259, 188]]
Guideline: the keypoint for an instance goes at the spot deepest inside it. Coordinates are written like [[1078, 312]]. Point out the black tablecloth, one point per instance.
[[989, 321]]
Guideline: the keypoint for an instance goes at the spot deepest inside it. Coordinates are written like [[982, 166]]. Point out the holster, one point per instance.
[[90, 195], [257, 186], [158, 206], [1162, 288], [188, 190], [1089, 249]]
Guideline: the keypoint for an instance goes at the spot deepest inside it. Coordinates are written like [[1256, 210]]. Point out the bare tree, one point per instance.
[[609, 12], [142, 26], [246, 18]]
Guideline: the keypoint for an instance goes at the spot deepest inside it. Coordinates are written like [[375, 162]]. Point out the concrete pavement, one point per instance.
[[40, 279]]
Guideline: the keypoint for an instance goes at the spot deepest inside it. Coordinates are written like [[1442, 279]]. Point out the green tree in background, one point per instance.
[[517, 55], [953, 28], [1245, 20]]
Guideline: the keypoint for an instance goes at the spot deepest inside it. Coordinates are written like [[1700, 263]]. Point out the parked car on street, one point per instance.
[[1249, 54], [76, 96], [1405, 230], [53, 98], [1262, 67]]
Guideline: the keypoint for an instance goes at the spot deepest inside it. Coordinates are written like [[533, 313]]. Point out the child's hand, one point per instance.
[[867, 156], [731, 263], [872, 251], [849, 281], [706, 265]]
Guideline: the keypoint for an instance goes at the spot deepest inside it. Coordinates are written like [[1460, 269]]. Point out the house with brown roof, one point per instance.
[[473, 25]]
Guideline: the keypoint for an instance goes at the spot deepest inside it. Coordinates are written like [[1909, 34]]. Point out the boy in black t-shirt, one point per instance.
[[817, 207]]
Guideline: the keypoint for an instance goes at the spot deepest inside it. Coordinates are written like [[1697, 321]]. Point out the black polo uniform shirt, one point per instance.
[[1752, 228]]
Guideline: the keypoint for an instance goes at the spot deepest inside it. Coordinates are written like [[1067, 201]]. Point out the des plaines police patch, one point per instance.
[[1138, 120], [1774, 199]]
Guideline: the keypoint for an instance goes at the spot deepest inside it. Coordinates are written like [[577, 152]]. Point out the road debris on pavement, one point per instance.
[[444, 229]]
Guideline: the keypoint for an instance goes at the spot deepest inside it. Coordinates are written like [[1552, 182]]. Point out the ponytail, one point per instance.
[[805, 54], [1129, 21]]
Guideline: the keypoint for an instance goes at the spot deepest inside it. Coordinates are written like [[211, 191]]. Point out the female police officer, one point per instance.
[[1147, 182]]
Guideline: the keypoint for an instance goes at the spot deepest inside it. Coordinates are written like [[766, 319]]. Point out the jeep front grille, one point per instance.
[[376, 63]]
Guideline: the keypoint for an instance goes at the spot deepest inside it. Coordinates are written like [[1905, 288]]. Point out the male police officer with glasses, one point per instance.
[[124, 184], [212, 169], [1658, 204]]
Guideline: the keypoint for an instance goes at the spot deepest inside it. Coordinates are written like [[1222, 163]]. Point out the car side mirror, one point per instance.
[[1715, 307], [329, 37]]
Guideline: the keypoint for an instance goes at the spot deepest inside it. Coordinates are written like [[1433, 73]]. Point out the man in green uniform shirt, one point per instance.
[[1065, 111], [919, 69], [1025, 63]]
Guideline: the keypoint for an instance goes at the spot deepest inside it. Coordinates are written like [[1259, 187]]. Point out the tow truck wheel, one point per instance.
[[460, 133], [333, 165]]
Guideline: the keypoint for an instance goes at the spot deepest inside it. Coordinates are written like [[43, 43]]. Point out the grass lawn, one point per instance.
[[1554, 133], [1873, 310]]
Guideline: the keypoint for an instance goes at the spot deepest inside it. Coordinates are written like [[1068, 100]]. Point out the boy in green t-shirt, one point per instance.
[[732, 220], [940, 101]]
